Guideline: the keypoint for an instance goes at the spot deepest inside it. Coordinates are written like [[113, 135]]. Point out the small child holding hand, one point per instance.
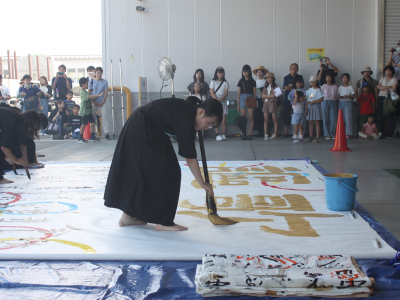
[[297, 98]]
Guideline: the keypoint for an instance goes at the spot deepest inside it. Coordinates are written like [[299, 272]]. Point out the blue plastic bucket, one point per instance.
[[340, 191]]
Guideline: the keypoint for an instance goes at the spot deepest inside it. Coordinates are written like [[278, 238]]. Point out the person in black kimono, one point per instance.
[[145, 176], [12, 121]]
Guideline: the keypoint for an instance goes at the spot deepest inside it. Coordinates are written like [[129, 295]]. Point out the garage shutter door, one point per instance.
[[392, 25]]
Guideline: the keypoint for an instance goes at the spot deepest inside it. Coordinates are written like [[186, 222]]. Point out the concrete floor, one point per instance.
[[379, 190]]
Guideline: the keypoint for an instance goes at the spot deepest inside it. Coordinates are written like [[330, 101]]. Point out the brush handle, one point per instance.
[[211, 207], [27, 173]]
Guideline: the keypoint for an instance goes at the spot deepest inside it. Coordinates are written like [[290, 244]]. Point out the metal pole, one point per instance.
[[48, 68], [112, 99], [30, 65], [9, 64], [1, 66], [12, 69], [38, 68], [122, 95], [15, 63]]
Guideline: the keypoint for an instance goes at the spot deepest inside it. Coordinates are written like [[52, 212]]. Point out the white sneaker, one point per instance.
[[273, 137], [218, 138], [41, 133], [266, 138], [224, 137], [294, 137]]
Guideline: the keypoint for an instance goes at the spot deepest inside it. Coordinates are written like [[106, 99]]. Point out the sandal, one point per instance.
[[309, 140], [249, 137], [285, 135], [316, 140]]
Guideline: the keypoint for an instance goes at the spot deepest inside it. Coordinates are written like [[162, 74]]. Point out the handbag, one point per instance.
[[393, 94], [52, 128], [388, 105], [250, 101]]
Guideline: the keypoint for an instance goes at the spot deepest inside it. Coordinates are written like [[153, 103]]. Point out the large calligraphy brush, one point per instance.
[[210, 201], [27, 173]]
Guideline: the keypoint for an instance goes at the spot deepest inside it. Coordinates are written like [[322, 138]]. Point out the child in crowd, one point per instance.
[[198, 77], [366, 103], [346, 95], [260, 72], [197, 92], [313, 108], [30, 93], [46, 88], [369, 130], [60, 117], [69, 103], [76, 122], [86, 111], [328, 106], [270, 95], [297, 98], [219, 88]]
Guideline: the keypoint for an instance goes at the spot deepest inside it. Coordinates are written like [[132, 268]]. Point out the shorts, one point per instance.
[[224, 107], [298, 118], [88, 119], [271, 106], [242, 100]]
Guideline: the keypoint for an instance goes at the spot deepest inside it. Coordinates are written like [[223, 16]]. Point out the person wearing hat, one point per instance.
[[313, 108], [4, 93], [394, 60], [260, 72], [270, 96], [246, 89], [366, 103], [288, 86]]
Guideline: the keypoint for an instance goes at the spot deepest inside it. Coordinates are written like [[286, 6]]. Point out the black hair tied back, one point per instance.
[[212, 108]]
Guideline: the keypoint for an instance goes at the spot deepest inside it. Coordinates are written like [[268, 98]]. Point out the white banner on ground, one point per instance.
[[280, 207]]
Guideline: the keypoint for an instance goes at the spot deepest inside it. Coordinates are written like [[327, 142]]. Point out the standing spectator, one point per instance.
[[46, 88], [91, 73], [288, 85], [61, 83], [246, 89], [219, 88], [298, 104], [60, 117], [4, 93], [30, 94], [270, 94], [386, 84], [328, 106], [197, 92], [346, 96], [394, 60], [260, 72], [313, 108], [366, 103], [199, 77], [326, 67], [100, 86], [86, 111]]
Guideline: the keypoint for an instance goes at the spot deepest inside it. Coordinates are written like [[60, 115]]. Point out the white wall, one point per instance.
[[209, 33]]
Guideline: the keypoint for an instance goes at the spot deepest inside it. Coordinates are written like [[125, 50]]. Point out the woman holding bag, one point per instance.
[[387, 84], [246, 99]]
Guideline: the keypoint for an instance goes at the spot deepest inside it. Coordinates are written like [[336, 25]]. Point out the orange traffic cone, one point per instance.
[[340, 139], [86, 133]]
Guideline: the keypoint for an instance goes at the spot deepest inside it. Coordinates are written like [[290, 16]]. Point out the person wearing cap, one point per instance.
[[313, 108], [246, 89], [5, 93], [270, 96], [219, 88], [366, 102], [326, 67], [394, 60], [260, 72], [288, 81]]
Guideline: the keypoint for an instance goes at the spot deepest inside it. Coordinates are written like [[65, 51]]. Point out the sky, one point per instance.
[[51, 27]]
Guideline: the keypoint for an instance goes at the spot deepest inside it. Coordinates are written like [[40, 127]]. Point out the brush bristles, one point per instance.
[[217, 220]]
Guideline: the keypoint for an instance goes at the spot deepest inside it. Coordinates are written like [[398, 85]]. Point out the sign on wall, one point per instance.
[[315, 53], [142, 90]]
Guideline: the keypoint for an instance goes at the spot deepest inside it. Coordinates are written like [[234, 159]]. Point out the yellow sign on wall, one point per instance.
[[315, 53]]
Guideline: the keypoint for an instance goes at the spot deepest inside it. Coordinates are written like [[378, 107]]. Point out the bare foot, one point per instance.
[[176, 227], [128, 220], [3, 181]]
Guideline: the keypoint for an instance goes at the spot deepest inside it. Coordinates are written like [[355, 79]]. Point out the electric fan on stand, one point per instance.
[[166, 71]]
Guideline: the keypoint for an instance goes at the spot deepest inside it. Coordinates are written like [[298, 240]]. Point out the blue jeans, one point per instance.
[[75, 135], [44, 102], [242, 102], [330, 117], [347, 110]]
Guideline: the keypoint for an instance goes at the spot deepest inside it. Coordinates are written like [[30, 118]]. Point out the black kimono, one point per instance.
[[145, 176]]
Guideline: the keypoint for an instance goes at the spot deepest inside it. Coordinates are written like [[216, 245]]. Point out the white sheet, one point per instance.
[[59, 214]]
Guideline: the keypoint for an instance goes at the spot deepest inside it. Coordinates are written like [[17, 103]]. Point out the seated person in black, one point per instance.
[[60, 117], [12, 122]]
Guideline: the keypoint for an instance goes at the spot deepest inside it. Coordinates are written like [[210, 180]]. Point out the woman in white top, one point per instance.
[[386, 84], [346, 95], [219, 90]]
